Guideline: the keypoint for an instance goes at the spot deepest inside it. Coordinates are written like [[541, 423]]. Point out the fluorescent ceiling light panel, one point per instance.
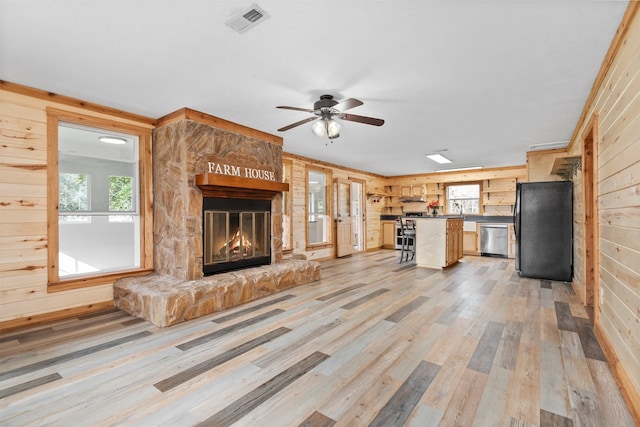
[[438, 158], [548, 145], [459, 169]]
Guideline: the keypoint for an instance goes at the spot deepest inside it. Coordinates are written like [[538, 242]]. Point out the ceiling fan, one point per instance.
[[325, 110]]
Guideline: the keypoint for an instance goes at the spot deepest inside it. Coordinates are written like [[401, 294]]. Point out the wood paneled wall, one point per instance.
[[373, 238], [24, 296], [380, 185], [540, 165], [498, 186], [614, 107]]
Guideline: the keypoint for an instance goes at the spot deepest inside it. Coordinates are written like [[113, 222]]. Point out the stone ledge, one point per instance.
[[166, 301]]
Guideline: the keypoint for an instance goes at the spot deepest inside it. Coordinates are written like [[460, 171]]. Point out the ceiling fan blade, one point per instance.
[[361, 119], [301, 122], [347, 104], [296, 109]]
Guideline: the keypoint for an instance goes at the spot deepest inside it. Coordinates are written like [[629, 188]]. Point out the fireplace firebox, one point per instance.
[[237, 234]]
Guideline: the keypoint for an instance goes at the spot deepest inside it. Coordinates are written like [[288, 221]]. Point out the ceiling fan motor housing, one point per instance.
[[326, 101]]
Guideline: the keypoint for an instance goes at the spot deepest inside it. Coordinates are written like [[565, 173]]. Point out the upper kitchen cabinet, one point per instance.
[[405, 198]]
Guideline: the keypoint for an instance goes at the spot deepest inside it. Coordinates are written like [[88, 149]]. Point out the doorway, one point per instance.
[[590, 215], [350, 228]]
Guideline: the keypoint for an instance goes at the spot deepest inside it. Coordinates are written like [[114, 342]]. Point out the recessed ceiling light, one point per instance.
[[112, 140], [438, 158]]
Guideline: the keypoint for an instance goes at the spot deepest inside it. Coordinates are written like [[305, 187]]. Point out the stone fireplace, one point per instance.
[[200, 163]]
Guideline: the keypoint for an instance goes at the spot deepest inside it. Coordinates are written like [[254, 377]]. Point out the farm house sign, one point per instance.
[[240, 171]]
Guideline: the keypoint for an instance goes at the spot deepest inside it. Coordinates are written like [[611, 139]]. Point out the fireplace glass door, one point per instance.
[[237, 234]]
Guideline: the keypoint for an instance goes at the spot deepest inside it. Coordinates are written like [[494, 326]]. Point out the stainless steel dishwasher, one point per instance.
[[494, 240]]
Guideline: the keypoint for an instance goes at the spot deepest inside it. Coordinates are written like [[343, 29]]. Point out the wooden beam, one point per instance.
[[214, 185]]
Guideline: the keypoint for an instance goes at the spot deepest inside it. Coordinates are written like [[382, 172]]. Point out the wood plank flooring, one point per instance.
[[374, 343]]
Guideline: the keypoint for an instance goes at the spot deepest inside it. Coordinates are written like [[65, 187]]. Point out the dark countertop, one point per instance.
[[476, 218]]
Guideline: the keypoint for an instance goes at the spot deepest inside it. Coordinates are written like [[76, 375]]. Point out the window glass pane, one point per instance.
[[463, 199], [319, 221], [287, 210], [101, 181], [121, 198], [74, 193], [120, 193]]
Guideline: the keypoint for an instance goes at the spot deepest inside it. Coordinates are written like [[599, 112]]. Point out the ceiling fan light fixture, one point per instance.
[[319, 128], [333, 129], [324, 110], [325, 127]]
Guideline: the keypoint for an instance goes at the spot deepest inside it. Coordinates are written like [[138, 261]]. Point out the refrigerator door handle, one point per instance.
[[515, 210]]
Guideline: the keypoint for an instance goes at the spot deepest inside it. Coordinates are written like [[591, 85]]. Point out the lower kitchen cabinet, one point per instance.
[[439, 241], [455, 240], [388, 234], [470, 243]]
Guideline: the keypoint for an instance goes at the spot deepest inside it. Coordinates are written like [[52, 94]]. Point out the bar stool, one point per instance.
[[408, 236]]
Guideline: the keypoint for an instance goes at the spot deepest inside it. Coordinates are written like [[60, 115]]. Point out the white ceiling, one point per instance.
[[483, 79]]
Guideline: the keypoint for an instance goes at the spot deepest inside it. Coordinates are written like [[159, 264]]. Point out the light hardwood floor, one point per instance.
[[374, 343]]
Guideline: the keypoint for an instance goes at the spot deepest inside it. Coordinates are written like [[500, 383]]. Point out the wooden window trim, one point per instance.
[[54, 117], [288, 207]]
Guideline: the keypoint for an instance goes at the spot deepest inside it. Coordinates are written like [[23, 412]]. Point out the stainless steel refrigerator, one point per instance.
[[543, 221]]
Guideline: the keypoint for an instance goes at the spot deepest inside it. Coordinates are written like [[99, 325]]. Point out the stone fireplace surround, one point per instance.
[[184, 144]]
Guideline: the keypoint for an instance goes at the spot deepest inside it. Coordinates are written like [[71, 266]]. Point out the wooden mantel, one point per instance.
[[226, 186]]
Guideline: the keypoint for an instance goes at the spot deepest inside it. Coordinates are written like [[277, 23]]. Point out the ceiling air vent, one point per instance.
[[247, 18]]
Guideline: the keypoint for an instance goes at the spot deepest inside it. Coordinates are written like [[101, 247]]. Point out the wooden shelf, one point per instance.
[[566, 167], [499, 198], [214, 185]]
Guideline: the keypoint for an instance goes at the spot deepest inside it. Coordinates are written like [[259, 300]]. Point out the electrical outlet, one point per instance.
[[601, 296]]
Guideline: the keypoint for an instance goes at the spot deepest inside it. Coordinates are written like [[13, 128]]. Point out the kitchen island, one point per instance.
[[438, 241]]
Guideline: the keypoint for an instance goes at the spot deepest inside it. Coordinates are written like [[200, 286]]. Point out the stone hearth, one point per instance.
[[165, 301], [186, 145]]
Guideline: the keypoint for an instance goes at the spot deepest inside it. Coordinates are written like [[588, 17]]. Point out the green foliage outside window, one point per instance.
[[120, 193], [73, 193]]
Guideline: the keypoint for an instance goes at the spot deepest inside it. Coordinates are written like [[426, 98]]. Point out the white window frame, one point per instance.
[[452, 210]]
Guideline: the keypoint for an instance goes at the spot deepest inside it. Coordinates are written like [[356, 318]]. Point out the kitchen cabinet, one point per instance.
[[455, 241], [439, 241], [405, 198], [416, 191], [388, 234], [470, 238]]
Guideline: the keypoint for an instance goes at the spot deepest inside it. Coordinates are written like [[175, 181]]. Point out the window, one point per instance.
[[98, 229], [318, 212], [463, 199]]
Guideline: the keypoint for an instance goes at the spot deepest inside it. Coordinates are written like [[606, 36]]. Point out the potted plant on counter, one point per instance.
[[433, 207]]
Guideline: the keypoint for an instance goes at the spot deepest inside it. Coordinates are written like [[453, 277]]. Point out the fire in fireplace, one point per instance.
[[237, 234]]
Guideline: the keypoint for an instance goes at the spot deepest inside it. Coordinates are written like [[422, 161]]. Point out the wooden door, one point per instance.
[[344, 229]]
